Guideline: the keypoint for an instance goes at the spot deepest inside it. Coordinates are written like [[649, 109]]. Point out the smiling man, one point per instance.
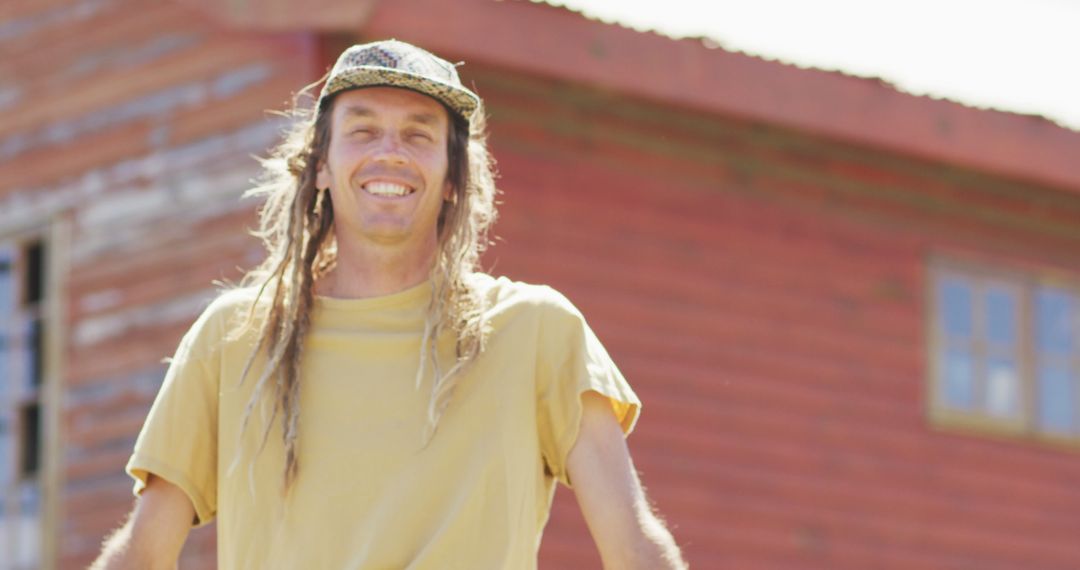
[[369, 398]]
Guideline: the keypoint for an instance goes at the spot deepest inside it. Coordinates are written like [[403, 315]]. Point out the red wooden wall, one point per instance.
[[764, 291]]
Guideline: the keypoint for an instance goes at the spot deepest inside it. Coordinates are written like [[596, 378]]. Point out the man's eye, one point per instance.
[[419, 135]]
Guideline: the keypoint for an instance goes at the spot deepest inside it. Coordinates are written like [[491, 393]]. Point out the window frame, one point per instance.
[[1027, 280], [54, 234]]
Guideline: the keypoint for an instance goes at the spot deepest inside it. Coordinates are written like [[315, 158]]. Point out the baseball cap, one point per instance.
[[398, 64]]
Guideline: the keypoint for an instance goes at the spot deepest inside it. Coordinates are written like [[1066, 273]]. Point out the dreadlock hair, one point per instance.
[[295, 226]]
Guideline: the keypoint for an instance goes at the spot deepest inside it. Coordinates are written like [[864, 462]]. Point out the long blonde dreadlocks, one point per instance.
[[295, 226]]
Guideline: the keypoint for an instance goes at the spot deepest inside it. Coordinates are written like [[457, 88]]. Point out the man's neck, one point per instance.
[[366, 270]]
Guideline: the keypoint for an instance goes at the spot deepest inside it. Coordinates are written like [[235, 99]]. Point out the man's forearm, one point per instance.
[[654, 548], [116, 552], [627, 531], [121, 551]]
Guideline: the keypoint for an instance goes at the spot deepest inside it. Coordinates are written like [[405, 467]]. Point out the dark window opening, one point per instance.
[[30, 434], [35, 272], [6, 285], [37, 351]]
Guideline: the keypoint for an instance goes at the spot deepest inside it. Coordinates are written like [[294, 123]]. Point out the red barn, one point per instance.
[[853, 314]]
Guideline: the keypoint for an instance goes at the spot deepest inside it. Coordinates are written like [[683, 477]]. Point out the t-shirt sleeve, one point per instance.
[[572, 361], [178, 441]]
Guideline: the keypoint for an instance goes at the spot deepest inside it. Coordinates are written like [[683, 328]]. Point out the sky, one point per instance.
[[1014, 55]]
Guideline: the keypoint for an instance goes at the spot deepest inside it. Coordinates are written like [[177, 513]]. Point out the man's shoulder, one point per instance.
[[232, 301], [502, 293], [228, 310], [218, 324]]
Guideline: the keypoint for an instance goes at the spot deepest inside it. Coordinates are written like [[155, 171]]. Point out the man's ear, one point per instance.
[[322, 177]]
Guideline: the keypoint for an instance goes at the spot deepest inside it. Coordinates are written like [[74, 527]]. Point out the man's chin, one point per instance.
[[389, 234]]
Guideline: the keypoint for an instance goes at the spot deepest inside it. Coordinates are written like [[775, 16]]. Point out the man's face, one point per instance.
[[386, 166]]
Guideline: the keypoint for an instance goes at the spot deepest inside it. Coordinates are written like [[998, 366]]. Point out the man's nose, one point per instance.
[[389, 148]]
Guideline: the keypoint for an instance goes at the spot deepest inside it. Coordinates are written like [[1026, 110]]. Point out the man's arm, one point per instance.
[[154, 533], [627, 532]]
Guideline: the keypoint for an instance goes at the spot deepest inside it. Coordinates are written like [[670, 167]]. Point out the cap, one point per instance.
[[399, 64]]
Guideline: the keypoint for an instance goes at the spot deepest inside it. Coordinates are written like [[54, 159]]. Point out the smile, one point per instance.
[[380, 188]]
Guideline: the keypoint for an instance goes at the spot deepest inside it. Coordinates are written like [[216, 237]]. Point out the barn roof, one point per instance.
[[693, 74]]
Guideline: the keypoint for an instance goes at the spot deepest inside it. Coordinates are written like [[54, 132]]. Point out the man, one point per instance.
[[369, 399]]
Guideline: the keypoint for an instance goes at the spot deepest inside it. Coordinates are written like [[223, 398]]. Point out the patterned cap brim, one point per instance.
[[459, 99]]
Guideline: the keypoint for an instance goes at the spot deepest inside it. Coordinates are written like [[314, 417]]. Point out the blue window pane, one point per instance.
[[955, 296], [1057, 411], [29, 498], [958, 379], [7, 465], [1001, 316], [5, 368], [1002, 387], [26, 357], [1053, 330]]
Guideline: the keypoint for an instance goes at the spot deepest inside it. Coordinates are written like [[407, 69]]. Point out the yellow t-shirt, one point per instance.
[[368, 494]]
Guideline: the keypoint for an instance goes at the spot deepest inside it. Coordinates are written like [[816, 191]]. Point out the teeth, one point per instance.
[[386, 189]]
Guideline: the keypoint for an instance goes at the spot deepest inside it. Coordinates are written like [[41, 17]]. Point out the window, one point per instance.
[[1057, 360], [1005, 351], [22, 376]]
